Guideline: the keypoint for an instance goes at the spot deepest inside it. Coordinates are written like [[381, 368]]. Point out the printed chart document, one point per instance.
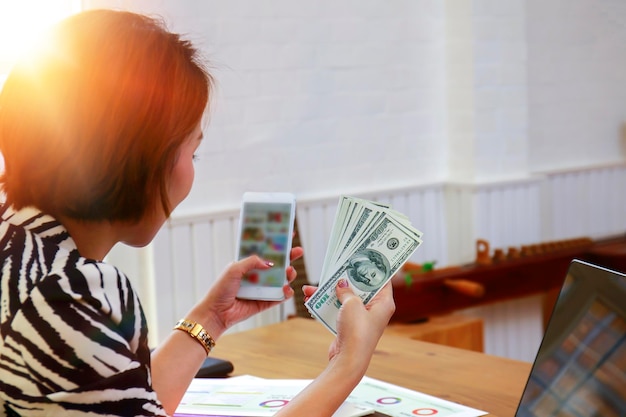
[[368, 244], [248, 396], [251, 396], [396, 401]]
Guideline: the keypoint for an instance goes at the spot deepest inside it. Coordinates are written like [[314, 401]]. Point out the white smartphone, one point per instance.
[[266, 229]]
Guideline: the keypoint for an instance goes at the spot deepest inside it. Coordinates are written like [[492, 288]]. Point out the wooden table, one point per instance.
[[298, 348]]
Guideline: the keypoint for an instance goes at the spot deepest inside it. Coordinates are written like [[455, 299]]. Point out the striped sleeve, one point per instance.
[[77, 346]]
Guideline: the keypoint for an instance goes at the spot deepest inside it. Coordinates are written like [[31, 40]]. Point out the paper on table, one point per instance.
[[248, 396], [396, 401], [345, 410], [370, 395]]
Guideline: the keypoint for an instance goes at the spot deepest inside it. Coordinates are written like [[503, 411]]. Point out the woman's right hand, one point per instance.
[[359, 327]]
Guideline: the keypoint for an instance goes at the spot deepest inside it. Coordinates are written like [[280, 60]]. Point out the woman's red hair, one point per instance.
[[90, 126]]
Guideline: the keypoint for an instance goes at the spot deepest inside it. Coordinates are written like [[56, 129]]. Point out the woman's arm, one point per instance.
[[177, 360], [359, 328]]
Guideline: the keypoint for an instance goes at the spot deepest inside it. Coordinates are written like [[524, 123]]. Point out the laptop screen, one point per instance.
[[580, 368]]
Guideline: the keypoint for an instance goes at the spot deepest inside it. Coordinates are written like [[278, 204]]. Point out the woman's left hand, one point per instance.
[[221, 302]]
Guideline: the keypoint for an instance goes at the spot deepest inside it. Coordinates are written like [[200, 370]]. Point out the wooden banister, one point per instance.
[[532, 269]]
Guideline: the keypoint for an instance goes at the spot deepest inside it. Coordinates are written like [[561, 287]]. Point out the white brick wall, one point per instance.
[[577, 82], [314, 96], [343, 95], [501, 88]]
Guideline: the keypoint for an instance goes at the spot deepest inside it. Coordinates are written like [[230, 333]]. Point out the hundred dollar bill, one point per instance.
[[367, 268], [353, 219], [351, 246], [338, 247]]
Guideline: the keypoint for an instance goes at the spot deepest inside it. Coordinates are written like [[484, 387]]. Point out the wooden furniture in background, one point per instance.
[[454, 330], [298, 348], [611, 254], [529, 270]]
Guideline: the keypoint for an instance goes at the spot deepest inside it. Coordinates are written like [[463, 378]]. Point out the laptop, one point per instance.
[[580, 368]]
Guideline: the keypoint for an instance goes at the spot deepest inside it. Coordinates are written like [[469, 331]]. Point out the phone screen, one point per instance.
[[265, 232]]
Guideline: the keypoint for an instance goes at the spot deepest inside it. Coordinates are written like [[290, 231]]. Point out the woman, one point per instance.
[[98, 129]]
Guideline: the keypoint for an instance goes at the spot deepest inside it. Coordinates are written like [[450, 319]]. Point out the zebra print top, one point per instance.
[[73, 334]]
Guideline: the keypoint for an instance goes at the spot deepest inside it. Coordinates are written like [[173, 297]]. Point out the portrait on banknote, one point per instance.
[[367, 270]]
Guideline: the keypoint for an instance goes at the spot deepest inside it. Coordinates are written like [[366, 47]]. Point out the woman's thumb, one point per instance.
[[343, 290]]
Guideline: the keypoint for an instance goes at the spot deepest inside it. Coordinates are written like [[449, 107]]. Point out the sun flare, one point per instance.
[[21, 21]]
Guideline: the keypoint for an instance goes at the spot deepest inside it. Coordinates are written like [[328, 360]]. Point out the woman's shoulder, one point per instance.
[[38, 255], [93, 275]]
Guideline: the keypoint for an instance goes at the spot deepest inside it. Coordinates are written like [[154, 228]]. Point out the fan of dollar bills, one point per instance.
[[368, 244]]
